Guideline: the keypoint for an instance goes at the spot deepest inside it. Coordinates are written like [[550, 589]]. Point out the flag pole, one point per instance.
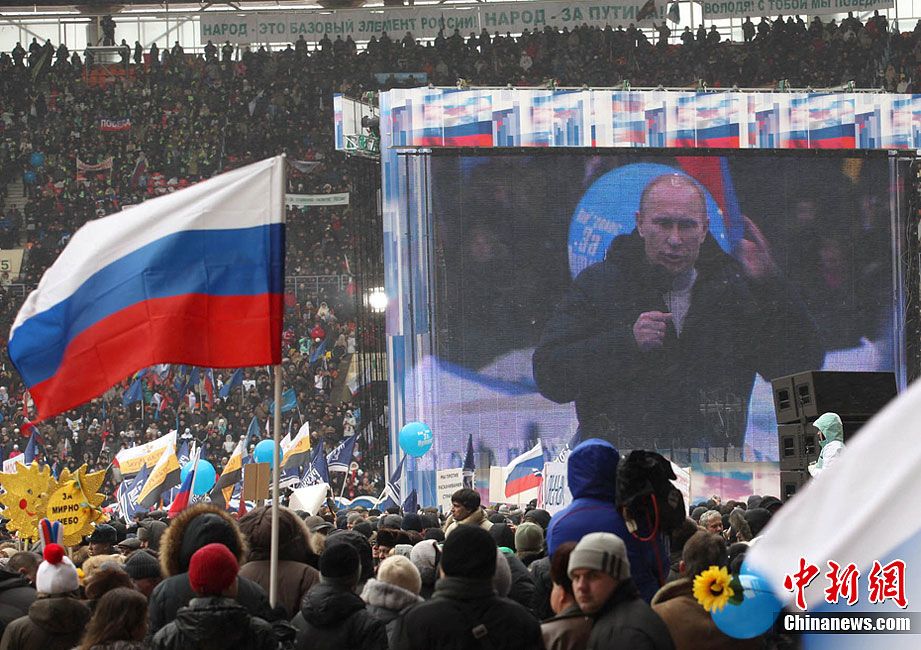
[[276, 430]]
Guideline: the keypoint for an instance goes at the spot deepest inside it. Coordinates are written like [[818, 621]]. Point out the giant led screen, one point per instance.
[[648, 298]]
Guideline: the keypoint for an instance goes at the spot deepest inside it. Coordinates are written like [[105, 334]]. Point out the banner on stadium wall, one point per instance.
[[742, 8], [422, 22], [315, 200], [554, 493], [11, 261], [83, 167], [114, 125], [130, 461], [447, 482]]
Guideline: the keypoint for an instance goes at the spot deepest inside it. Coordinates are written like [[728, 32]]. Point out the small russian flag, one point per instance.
[[525, 472]]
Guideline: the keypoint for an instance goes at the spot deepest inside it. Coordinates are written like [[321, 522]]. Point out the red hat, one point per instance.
[[212, 570]]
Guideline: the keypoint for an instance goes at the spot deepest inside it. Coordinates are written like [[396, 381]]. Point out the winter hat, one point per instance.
[[469, 552], [109, 577], [539, 517], [753, 501], [436, 534], [143, 565], [364, 528], [57, 574], [403, 549], [425, 556], [104, 534], [206, 528], [603, 552], [293, 535], [757, 519], [391, 521], [412, 521], [529, 538], [503, 535], [361, 546], [130, 543], [502, 578], [400, 571], [212, 569], [697, 512], [316, 524], [429, 520], [340, 563], [771, 504]]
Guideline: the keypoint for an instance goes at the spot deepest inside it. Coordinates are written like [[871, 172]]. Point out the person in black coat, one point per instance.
[[213, 618], [194, 528], [465, 613], [333, 616], [16, 596], [668, 323]]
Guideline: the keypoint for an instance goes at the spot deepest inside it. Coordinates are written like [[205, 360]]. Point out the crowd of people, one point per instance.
[[503, 577]]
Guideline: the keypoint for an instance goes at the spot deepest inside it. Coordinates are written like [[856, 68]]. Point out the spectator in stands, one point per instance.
[[118, 623], [295, 576], [712, 522], [332, 615], [194, 528], [16, 595], [56, 618], [600, 574], [690, 625], [466, 510], [592, 468], [396, 589], [214, 615], [569, 629], [465, 602]]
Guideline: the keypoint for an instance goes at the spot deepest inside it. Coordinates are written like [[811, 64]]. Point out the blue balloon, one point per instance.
[[416, 438], [205, 476], [264, 450], [29, 177], [608, 209], [755, 615], [37, 159]]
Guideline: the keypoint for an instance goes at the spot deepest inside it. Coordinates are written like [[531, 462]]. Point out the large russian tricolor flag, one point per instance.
[[525, 472], [195, 277]]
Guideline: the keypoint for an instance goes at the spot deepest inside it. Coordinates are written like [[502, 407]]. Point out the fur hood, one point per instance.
[[388, 596], [201, 524], [293, 536]]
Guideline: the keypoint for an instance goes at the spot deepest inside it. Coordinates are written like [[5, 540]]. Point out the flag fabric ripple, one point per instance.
[[194, 277]]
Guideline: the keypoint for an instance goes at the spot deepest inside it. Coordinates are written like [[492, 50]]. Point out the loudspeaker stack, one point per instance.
[[801, 398]]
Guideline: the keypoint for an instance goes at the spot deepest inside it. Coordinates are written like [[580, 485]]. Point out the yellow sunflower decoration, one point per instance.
[[32, 494], [712, 589], [75, 503], [24, 498]]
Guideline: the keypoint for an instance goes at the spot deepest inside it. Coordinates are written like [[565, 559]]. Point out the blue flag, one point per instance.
[[391, 496], [236, 379], [318, 352], [127, 494], [317, 471], [412, 503], [31, 449], [288, 402], [134, 393], [469, 471], [340, 457]]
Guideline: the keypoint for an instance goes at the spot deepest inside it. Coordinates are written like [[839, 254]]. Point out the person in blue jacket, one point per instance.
[[592, 481]]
